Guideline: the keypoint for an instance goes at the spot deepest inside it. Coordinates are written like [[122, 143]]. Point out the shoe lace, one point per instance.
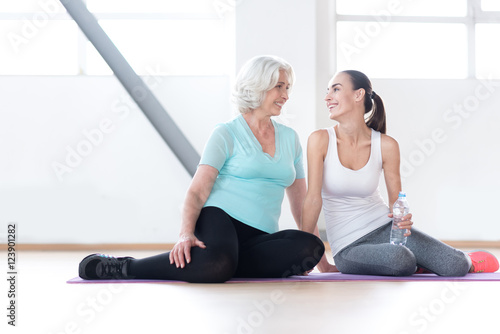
[[111, 266], [484, 262], [479, 266]]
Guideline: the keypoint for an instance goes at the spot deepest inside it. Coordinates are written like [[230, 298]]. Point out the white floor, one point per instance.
[[47, 305]]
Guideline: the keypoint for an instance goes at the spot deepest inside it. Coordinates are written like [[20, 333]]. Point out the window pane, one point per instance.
[[177, 47], [487, 51], [151, 6], [42, 49], [490, 5], [385, 8], [403, 50]]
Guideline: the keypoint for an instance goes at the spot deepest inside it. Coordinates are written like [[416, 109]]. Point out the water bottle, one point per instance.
[[399, 210]]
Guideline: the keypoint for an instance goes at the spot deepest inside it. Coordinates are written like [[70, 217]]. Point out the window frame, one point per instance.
[[82, 39], [475, 15]]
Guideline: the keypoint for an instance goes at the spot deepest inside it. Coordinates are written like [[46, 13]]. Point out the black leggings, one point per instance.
[[235, 249]]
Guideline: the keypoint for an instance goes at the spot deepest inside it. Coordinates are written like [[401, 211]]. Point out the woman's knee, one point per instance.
[[457, 267], [308, 244], [304, 250], [403, 261], [218, 266]]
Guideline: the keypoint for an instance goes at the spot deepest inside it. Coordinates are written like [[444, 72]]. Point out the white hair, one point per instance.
[[259, 75]]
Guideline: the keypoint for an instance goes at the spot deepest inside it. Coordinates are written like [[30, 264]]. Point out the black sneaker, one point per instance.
[[101, 266]]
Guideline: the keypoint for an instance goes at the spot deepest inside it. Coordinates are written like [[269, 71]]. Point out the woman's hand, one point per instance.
[[405, 223], [181, 253]]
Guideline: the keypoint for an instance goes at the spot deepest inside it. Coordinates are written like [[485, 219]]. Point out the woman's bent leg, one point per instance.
[[437, 256], [280, 254], [373, 255], [379, 259], [214, 264]]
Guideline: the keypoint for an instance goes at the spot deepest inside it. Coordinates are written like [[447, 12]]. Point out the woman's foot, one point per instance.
[[421, 270], [101, 266], [483, 262]]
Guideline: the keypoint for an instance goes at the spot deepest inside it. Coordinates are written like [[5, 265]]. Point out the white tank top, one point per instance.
[[352, 204]]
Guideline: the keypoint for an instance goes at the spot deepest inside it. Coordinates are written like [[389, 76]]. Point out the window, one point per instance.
[[44, 48], [38, 38], [173, 47], [447, 39], [403, 50], [487, 51], [173, 37], [490, 5]]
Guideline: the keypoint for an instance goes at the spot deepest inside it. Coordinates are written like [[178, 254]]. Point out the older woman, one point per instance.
[[231, 211]]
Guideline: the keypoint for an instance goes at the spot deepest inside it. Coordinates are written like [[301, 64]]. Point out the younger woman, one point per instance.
[[344, 166]]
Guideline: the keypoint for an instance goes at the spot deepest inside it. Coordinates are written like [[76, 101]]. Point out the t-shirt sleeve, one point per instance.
[[218, 148], [299, 164]]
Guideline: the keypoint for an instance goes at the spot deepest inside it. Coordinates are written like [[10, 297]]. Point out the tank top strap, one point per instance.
[[332, 154], [331, 135], [376, 148]]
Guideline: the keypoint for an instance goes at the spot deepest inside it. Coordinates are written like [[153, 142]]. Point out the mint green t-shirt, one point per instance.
[[251, 184]]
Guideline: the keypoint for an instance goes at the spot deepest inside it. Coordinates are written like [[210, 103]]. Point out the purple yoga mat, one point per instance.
[[321, 277]]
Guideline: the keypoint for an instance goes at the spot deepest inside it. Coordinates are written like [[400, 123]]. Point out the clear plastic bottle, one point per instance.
[[400, 209]]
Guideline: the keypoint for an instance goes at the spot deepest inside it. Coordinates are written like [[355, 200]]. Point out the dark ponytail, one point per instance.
[[374, 106], [376, 120]]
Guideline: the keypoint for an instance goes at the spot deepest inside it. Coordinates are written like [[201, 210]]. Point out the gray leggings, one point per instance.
[[373, 255]]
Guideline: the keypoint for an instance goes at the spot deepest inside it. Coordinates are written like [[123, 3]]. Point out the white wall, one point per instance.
[[130, 187]]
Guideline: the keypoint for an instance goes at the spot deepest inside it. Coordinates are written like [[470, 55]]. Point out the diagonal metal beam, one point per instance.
[[134, 85]]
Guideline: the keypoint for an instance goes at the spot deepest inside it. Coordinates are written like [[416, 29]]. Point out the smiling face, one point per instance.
[[341, 97], [277, 96]]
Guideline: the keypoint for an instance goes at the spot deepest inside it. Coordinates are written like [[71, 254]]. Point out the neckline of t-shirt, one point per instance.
[[256, 142]]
